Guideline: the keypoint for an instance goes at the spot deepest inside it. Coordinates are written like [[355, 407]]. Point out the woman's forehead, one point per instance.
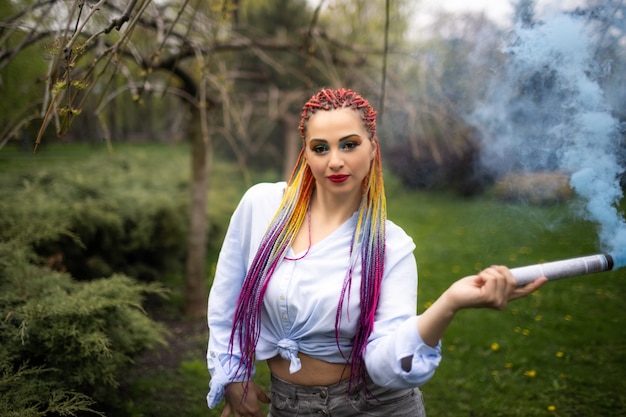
[[336, 119]]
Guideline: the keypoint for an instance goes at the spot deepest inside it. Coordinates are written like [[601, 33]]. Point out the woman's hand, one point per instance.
[[492, 287], [242, 404]]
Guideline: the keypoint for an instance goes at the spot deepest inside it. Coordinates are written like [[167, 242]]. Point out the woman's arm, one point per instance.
[[245, 230], [493, 287]]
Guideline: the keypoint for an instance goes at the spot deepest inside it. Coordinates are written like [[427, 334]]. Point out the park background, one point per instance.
[[129, 130]]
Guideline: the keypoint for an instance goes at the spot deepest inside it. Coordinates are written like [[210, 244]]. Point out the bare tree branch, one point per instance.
[[117, 23]]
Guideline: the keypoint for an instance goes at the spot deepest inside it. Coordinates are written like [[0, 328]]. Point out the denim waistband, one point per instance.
[[334, 400], [316, 391]]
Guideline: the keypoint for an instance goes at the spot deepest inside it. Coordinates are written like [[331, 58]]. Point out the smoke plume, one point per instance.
[[548, 112]]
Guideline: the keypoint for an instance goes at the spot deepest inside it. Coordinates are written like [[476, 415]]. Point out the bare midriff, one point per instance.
[[314, 372]]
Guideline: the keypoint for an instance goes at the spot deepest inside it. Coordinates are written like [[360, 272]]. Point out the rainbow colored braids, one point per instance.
[[369, 237]]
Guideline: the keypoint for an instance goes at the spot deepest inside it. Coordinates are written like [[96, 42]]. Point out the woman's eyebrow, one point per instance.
[[349, 136], [340, 139]]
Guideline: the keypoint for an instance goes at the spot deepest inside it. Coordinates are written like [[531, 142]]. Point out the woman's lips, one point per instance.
[[338, 178]]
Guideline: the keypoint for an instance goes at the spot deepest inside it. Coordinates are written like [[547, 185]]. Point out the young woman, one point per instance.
[[315, 280]]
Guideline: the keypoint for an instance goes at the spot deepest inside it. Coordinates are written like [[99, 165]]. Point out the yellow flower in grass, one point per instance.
[[495, 347], [525, 332], [531, 373], [427, 304], [568, 318], [538, 317], [560, 354], [551, 408], [508, 365]]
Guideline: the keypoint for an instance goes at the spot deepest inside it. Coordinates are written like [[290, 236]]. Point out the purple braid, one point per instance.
[[369, 237]]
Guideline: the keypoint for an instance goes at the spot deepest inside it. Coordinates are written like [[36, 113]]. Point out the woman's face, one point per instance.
[[339, 151]]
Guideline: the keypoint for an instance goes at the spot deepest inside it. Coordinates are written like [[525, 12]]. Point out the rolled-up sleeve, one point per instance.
[[395, 335], [385, 355]]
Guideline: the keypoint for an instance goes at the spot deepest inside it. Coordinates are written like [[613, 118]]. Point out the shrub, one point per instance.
[[65, 342], [84, 239], [70, 322]]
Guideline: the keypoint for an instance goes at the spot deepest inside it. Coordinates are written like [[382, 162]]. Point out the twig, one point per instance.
[[125, 17]]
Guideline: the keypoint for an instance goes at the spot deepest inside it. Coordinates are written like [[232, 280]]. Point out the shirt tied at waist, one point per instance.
[[288, 349]]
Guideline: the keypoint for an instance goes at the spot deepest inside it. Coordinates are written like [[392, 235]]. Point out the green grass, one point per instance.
[[560, 352]]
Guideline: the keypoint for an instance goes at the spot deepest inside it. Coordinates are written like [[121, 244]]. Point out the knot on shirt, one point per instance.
[[288, 349]]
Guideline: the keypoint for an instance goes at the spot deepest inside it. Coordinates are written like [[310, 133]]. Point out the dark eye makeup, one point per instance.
[[346, 143]]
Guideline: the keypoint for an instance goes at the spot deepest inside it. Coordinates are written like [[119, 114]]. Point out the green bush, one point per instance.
[[82, 237], [65, 342], [111, 220]]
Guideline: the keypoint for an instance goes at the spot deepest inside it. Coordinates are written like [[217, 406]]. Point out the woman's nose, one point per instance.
[[336, 161]]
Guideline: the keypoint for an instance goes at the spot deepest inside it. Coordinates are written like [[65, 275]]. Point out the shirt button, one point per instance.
[[323, 395], [284, 317], [282, 298]]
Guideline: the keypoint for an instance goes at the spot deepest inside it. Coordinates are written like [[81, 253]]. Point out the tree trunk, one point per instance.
[[293, 143], [196, 280]]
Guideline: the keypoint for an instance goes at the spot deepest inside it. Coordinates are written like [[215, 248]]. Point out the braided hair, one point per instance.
[[368, 238]]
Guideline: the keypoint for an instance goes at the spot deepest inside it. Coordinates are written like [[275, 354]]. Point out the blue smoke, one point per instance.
[[549, 113]]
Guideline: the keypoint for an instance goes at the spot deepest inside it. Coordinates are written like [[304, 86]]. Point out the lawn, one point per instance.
[[560, 352]]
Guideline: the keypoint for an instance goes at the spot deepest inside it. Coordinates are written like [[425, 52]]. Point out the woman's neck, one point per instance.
[[333, 209]]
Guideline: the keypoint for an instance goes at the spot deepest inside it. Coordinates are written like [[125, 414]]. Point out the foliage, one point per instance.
[[65, 343], [91, 213], [67, 332], [94, 218]]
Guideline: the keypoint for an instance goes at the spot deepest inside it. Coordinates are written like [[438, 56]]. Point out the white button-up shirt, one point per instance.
[[301, 300]]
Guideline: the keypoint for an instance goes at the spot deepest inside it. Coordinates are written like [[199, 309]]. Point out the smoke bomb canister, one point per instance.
[[563, 269]]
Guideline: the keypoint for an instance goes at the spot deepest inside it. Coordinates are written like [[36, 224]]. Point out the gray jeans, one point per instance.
[[289, 400]]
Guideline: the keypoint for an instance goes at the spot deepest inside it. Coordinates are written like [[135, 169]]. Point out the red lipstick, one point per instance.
[[338, 178]]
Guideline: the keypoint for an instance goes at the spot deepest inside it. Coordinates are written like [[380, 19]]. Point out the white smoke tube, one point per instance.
[[563, 269]]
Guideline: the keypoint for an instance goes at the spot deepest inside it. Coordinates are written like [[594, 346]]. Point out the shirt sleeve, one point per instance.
[[246, 228], [395, 335], [229, 275]]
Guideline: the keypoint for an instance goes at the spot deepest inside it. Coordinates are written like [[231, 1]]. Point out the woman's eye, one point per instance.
[[349, 145], [320, 148]]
